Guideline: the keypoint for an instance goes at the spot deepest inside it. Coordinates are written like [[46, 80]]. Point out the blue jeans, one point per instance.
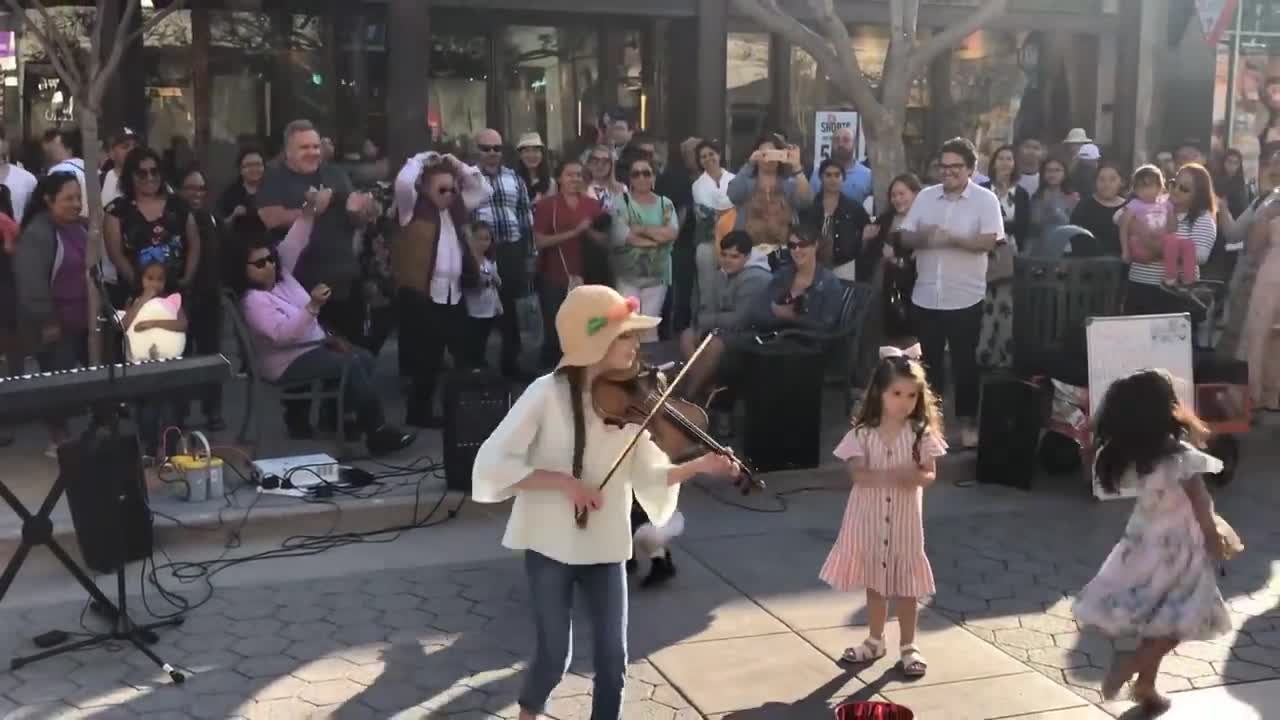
[[361, 397], [604, 587]]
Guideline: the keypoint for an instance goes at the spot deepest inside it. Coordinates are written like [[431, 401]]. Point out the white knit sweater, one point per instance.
[[538, 434]]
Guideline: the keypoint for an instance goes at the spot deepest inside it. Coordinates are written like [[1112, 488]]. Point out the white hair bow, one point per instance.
[[889, 351]]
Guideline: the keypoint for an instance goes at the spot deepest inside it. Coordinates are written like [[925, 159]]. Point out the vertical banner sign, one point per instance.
[[1215, 18], [825, 126]]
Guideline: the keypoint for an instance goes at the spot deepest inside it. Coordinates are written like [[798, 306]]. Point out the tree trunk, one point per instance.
[[93, 200], [888, 156]]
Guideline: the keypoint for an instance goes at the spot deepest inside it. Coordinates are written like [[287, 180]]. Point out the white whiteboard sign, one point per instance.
[[825, 125], [1121, 346]]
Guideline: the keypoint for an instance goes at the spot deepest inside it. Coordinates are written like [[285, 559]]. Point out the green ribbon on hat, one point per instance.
[[596, 324]]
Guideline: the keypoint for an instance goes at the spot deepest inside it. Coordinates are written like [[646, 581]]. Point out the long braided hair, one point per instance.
[[577, 379]]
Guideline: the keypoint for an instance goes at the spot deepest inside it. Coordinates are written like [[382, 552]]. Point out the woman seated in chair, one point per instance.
[[803, 295], [291, 346]]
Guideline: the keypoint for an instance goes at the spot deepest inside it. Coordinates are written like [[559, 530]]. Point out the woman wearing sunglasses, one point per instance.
[[431, 263], [802, 294], [284, 319], [149, 223], [1195, 208], [644, 226]]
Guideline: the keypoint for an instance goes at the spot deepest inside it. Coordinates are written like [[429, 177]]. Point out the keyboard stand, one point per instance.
[[37, 529]]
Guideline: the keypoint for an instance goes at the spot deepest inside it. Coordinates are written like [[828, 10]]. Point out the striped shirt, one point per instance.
[[1203, 232], [881, 541], [508, 211]]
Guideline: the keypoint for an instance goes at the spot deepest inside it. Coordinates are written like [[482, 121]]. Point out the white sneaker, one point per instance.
[[51, 452], [968, 436]]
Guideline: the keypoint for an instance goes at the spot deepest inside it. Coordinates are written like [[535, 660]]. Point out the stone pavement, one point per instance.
[[745, 631]]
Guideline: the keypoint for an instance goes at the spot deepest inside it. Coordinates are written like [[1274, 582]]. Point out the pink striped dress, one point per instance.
[[881, 541]]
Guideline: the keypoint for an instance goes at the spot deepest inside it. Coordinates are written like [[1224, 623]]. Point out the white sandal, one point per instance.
[[913, 663], [871, 649]]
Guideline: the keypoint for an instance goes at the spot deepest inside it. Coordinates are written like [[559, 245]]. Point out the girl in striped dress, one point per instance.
[[891, 453]]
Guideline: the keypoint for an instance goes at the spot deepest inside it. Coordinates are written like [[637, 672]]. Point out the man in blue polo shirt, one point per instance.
[[857, 177]]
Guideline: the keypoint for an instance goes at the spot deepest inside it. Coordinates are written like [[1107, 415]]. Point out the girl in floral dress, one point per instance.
[[1158, 582], [891, 453]]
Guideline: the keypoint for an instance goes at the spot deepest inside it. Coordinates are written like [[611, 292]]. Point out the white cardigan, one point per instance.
[[538, 434]]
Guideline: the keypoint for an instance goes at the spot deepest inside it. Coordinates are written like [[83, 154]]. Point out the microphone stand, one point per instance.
[[106, 419], [106, 320]]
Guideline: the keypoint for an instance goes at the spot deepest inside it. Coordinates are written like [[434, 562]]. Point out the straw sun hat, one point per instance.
[[591, 318]]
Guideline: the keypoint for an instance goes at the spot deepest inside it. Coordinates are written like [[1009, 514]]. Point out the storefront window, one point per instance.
[[747, 91], [47, 100], [986, 90], [459, 87], [1247, 91], [551, 79], [632, 95], [170, 99], [303, 65], [1255, 105], [239, 89], [362, 80]]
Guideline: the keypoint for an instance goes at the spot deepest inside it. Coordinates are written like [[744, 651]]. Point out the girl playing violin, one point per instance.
[[551, 453]]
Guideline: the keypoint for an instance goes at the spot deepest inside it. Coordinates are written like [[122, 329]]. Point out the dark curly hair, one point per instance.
[[240, 246], [1140, 423], [132, 162], [925, 417]]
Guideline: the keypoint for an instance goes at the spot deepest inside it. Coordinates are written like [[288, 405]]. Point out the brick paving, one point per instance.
[[450, 642], [419, 643], [1009, 579]]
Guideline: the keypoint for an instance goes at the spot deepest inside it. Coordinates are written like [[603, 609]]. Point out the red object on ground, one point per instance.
[[873, 711]]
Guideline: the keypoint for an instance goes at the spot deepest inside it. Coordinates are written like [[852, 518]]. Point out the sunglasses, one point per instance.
[[953, 167], [147, 172], [793, 245], [446, 190], [490, 148], [263, 261], [195, 188], [641, 173]]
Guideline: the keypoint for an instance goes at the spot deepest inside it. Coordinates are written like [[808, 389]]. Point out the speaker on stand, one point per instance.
[[475, 401]]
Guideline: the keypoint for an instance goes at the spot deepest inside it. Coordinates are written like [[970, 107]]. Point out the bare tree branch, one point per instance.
[[95, 36], [952, 36], [823, 50], [55, 46], [152, 21], [836, 33], [123, 39]]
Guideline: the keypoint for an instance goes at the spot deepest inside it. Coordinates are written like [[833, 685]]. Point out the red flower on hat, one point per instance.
[[623, 310]]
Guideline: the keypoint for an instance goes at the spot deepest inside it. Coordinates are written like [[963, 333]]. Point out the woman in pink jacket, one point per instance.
[[291, 346]]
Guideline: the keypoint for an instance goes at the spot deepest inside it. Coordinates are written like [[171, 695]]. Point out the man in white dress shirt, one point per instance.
[[952, 227]]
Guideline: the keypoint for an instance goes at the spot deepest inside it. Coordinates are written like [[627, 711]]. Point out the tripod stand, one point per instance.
[[123, 628], [79, 461]]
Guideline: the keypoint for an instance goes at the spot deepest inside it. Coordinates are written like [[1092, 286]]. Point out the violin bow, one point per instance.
[[580, 516]]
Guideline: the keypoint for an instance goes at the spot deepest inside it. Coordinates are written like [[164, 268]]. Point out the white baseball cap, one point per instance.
[[1089, 151]]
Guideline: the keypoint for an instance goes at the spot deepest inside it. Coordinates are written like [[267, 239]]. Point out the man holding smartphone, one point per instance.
[[952, 227]]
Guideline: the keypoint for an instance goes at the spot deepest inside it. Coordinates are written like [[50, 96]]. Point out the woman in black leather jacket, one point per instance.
[[838, 221]]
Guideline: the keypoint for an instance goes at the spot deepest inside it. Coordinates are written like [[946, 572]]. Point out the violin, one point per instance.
[[640, 395], [679, 428]]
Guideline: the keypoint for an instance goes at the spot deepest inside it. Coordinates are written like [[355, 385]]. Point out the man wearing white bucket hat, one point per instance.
[[551, 454], [1074, 140]]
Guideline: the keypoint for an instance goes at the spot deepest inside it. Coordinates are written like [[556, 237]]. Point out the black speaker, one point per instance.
[[475, 401], [781, 390], [1010, 418], [107, 496]]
